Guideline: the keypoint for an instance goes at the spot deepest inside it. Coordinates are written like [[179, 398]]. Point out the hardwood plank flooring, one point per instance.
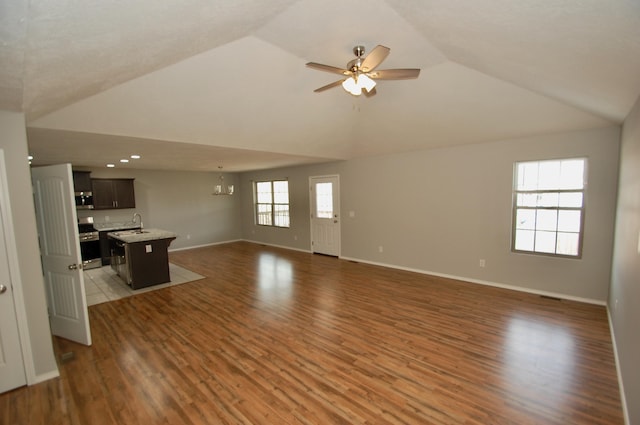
[[273, 336]]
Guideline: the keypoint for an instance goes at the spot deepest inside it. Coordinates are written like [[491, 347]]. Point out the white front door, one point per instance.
[[60, 251], [12, 373], [325, 215]]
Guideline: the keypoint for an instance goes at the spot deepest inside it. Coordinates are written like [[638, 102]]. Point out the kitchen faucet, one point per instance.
[[134, 219]]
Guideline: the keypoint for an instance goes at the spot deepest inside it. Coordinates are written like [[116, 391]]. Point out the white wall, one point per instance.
[[178, 201], [13, 140], [625, 277], [441, 211]]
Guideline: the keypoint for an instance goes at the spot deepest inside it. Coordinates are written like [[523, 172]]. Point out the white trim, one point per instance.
[[278, 246], [623, 399], [204, 245], [483, 282], [16, 279], [45, 377]]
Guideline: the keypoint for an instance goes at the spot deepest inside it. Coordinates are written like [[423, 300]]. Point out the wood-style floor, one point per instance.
[[282, 337]]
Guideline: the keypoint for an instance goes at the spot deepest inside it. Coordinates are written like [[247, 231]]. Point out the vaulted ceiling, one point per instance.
[[195, 84]]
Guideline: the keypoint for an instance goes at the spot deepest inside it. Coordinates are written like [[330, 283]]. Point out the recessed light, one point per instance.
[[124, 160], [135, 156], [110, 165]]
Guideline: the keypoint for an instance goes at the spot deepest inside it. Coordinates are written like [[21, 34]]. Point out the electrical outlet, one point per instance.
[[380, 249], [482, 262], [188, 236]]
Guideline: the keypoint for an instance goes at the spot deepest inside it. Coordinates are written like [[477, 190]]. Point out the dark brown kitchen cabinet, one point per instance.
[[82, 181], [109, 194]]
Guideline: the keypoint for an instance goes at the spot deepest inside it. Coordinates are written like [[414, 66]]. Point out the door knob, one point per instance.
[[75, 266], [3, 289]]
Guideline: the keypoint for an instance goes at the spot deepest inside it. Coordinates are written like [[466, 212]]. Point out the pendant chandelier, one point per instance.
[[221, 188]]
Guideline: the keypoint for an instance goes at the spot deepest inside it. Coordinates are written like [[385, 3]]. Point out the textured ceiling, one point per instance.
[[194, 84]]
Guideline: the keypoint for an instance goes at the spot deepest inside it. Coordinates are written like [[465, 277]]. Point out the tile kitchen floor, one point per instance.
[[103, 284]]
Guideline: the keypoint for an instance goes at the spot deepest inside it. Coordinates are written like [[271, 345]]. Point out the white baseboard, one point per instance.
[[483, 282], [623, 399], [204, 245], [44, 377], [277, 246]]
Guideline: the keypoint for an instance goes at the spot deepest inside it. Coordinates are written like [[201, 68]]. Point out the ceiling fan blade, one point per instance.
[[327, 68], [375, 58], [395, 74], [328, 86]]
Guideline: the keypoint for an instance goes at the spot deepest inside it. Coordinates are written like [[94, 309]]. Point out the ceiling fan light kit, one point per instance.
[[355, 84], [360, 72]]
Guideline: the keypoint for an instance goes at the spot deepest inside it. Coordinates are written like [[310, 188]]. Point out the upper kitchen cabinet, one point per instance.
[[109, 194], [82, 181]]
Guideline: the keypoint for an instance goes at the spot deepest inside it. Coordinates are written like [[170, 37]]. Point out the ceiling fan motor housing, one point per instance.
[[355, 64]]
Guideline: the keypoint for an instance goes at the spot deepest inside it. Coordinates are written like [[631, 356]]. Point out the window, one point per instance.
[[272, 203], [324, 200], [548, 207]]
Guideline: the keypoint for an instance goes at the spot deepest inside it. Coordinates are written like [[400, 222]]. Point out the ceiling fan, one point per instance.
[[361, 72]]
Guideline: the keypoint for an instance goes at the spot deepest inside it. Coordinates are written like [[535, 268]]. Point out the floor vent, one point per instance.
[[67, 357]]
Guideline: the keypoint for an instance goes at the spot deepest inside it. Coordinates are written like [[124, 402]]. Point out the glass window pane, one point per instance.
[[264, 214], [281, 192], [281, 215], [324, 200], [568, 243], [263, 191], [546, 220], [527, 199], [569, 221], [525, 219], [549, 199], [549, 175], [545, 242], [524, 240], [571, 200], [572, 174], [527, 176]]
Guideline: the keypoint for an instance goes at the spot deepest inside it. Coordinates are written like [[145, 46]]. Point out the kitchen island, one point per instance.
[[140, 257]]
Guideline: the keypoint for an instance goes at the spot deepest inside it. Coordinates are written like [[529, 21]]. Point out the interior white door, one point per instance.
[[325, 214], [12, 372], [60, 251]]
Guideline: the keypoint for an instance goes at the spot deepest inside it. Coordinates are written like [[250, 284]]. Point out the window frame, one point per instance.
[[272, 205], [582, 208]]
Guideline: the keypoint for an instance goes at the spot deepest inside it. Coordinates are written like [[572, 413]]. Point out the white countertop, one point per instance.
[[133, 236], [108, 226]]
